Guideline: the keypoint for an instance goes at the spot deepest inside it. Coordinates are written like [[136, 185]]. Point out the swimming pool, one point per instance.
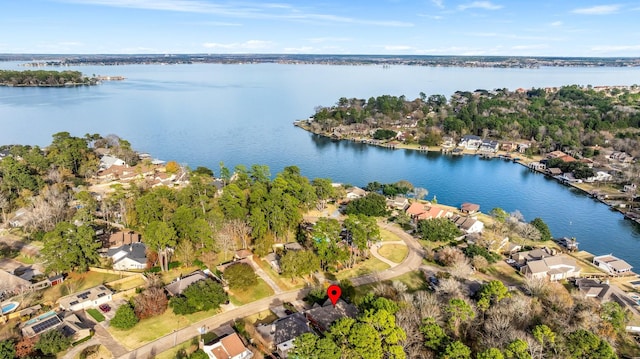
[[9, 307]]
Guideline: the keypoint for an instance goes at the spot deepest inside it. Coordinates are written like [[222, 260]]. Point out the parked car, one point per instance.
[[105, 308], [510, 261]]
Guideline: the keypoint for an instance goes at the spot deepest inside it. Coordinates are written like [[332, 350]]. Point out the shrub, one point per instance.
[[125, 317], [241, 276]]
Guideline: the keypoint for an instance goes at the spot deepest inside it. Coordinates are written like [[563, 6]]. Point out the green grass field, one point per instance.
[[388, 236], [259, 291], [394, 252], [369, 266], [95, 314]]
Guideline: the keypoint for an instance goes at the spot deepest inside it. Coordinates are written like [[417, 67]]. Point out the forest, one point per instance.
[[569, 117], [44, 78]]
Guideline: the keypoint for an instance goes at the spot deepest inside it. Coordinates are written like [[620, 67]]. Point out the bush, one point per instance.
[[151, 302], [241, 276], [125, 317], [202, 295], [52, 342]]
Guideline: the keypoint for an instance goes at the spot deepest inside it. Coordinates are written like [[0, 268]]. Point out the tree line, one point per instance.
[[44, 78]]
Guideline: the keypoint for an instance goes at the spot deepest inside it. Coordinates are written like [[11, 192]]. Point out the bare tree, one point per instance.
[[4, 205], [240, 230], [461, 268], [185, 252], [449, 255]]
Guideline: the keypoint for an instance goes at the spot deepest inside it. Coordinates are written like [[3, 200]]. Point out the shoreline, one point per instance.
[[514, 157]]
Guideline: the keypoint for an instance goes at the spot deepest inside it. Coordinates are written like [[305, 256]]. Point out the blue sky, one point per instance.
[[426, 27]]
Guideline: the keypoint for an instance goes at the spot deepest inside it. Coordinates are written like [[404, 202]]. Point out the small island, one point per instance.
[[44, 78]]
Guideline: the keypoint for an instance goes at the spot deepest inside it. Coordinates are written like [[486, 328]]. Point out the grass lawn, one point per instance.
[[504, 272], [169, 276], [95, 314], [413, 280], [284, 283], [388, 236], [151, 329], [259, 291], [133, 282], [266, 316], [394, 252], [369, 266], [187, 347], [76, 282], [25, 259], [94, 351]]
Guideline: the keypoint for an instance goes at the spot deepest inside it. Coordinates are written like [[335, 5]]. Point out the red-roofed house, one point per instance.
[[419, 211], [229, 347], [469, 208]]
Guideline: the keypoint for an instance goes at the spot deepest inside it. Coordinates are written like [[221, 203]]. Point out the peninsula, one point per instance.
[[43, 78]]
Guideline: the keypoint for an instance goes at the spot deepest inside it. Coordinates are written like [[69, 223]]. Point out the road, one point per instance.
[[411, 263]]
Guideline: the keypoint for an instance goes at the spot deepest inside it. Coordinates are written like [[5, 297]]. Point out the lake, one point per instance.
[[242, 114]]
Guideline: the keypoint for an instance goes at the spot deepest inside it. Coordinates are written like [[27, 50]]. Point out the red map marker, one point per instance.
[[334, 293]]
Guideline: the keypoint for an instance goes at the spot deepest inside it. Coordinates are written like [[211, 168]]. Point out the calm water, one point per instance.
[[243, 114]]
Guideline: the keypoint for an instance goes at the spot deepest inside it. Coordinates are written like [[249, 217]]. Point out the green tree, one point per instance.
[[456, 350], [517, 349], [69, 247], [365, 342], [324, 191], [160, 237], [326, 236], [458, 312], [299, 263], [584, 344], [545, 233], [434, 335], [52, 342], [437, 229], [614, 314], [125, 317], [544, 335], [491, 293], [373, 205], [308, 345], [7, 349], [200, 296], [491, 353], [240, 276], [233, 202], [199, 354]]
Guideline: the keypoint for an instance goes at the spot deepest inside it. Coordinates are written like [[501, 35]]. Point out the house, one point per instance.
[[91, 297], [554, 268], [419, 211], [181, 283], [129, 256], [509, 146], [447, 142], [69, 324], [399, 203], [470, 142], [11, 284], [523, 147], [537, 166], [355, 193], [556, 154], [468, 224], [621, 157], [469, 208], [293, 246], [321, 317], [532, 255], [554, 171], [123, 237], [489, 146], [281, 333], [629, 188], [242, 254], [591, 288], [107, 161], [600, 176], [569, 243], [274, 261], [228, 347], [612, 265]]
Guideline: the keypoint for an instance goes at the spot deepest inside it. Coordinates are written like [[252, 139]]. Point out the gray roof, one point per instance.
[[135, 251], [327, 314], [177, 287], [290, 327]]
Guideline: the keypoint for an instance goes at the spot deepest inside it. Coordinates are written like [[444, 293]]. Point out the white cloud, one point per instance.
[[438, 3], [299, 50], [530, 47], [486, 5], [239, 46], [249, 10], [597, 10], [434, 17], [556, 23]]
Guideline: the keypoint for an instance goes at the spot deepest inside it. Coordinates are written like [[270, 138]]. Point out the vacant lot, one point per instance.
[[370, 265], [394, 252], [251, 294]]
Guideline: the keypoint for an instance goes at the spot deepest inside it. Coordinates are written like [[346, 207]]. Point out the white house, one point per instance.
[[470, 142], [554, 268], [611, 264], [600, 176], [228, 347], [129, 256], [107, 161], [91, 297]]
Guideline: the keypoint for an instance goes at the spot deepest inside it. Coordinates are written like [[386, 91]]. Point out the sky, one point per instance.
[[398, 27]]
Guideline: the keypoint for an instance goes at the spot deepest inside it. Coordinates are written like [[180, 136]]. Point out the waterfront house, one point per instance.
[[508, 146], [468, 224], [398, 202], [448, 142], [621, 157], [419, 211], [107, 161], [554, 171], [569, 243], [522, 258], [227, 347], [355, 193], [91, 297], [629, 188], [470, 142], [523, 147], [599, 176], [537, 166], [591, 288], [488, 146], [553, 268], [612, 265], [129, 256], [469, 208], [556, 154]]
